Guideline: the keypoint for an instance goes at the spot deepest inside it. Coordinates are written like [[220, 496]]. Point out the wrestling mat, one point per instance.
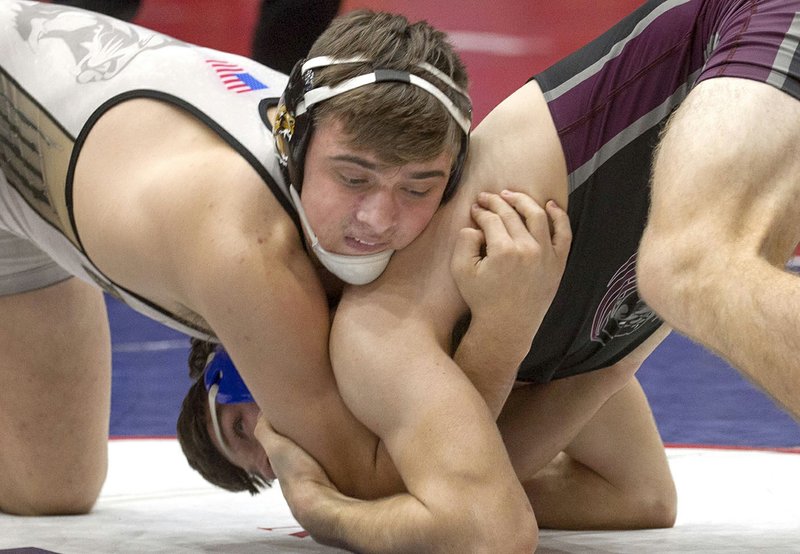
[[730, 500]]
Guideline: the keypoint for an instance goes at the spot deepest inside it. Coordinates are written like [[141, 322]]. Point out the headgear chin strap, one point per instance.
[[224, 386], [294, 121], [354, 270]]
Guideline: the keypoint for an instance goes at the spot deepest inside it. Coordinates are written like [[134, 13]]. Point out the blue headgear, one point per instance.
[[221, 372]]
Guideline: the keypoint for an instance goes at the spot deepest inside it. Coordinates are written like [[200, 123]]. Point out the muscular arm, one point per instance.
[[462, 492], [390, 350], [275, 325], [230, 255], [724, 220], [507, 270], [500, 158]]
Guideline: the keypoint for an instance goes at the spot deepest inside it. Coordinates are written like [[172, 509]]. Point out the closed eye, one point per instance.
[[352, 181], [417, 193], [238, 427]]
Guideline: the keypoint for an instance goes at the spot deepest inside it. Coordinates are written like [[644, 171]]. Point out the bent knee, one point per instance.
[[656, 506], [662, 264], [50, 505], [48, 498]]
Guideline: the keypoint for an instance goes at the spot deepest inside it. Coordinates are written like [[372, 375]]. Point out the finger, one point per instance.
[[287, 459], [467, 250], [513, 222], [276, 445], [272, 442], [562, 230], [491, 224], [263, 428], [534, 216]]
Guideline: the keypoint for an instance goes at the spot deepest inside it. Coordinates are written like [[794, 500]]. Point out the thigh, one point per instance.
[[55, 398], [728, 171], [622, 444], [723, 223], [613, 475], [539, 421]]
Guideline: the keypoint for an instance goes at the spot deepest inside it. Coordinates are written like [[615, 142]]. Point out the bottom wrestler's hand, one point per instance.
[[311, 496]]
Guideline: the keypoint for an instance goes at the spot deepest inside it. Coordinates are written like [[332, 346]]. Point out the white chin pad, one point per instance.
[[354, 270]]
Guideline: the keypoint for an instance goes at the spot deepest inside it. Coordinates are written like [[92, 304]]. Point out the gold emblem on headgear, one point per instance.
[[283, 129]]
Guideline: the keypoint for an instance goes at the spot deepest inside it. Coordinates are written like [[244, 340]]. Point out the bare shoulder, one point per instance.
[[159, 196], [515, 147]]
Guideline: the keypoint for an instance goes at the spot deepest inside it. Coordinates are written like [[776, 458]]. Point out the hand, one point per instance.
[[509, 268], [308, 491]]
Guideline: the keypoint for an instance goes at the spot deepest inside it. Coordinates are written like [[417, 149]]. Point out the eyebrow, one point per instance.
[[366, 164]]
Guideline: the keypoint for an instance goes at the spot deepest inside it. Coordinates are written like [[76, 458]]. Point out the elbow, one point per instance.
[[503, 526], [514, 535], [523, 538]]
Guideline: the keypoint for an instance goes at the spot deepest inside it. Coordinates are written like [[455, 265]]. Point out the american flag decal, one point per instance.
[[234, 77]]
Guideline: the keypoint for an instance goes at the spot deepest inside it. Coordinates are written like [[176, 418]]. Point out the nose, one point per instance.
[[377, 211]]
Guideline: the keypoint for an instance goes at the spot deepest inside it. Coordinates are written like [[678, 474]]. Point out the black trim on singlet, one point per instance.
[[200, 116], [203, 118], [600, 47]]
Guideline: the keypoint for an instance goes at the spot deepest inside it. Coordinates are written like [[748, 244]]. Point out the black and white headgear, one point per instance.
[[294, 121]]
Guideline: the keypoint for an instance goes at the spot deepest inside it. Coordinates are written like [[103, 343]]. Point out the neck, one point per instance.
[[331, 283]]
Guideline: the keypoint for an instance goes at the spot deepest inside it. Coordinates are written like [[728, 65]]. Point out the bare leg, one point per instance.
[[614, 475], [586, 416], [54, 399], [723, 221]]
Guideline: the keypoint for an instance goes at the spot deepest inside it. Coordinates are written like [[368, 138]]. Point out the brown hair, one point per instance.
[[193, 435], [400, 123]]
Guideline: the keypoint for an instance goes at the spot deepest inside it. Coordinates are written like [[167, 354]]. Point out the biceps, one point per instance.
[[393, 375], [434, 424]]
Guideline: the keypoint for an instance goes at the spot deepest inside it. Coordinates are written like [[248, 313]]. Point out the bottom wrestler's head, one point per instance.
[[216, 424]]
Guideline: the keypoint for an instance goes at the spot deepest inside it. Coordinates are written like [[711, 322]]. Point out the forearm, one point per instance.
[[490, 362], [361, 526], [508, 273], [463, 494]]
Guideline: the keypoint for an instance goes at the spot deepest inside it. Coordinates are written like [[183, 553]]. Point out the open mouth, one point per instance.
[[363, 246]]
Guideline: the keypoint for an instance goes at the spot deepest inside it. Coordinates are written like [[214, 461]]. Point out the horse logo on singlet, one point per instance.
[[101, 46]]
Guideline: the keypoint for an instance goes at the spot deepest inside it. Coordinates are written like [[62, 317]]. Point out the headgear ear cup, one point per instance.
[[292, 131], [220, 372], [293, 125], [458, 169]]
